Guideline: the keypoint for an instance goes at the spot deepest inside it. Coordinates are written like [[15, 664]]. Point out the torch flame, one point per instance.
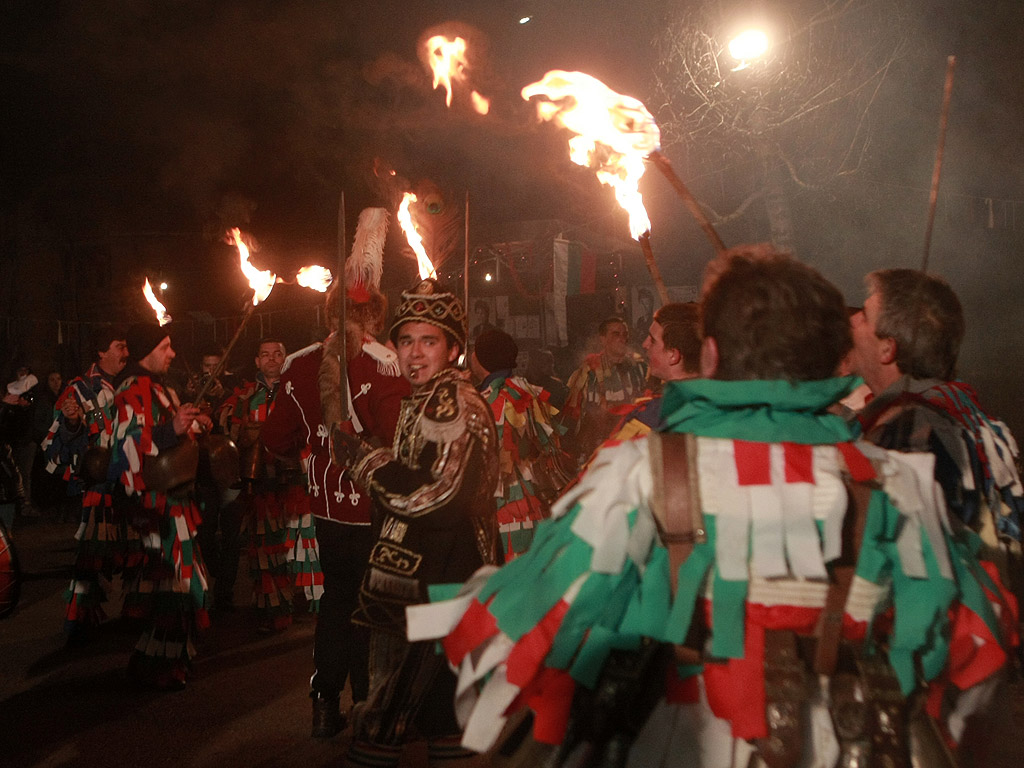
[[161, 312], [316, 277], [261, 282], [448, 62], [614, 133], [415, 241], [481, 103]]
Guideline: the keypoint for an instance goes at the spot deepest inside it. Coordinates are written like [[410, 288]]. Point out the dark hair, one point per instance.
[[608, 322], [105, 335], [680, 330], [775, 318], [922, 314], [212, 352], [268, 340]]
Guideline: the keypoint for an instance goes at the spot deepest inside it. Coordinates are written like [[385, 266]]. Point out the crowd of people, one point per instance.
[[709, 554]]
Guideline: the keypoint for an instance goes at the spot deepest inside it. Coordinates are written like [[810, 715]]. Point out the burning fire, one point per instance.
[[415, 241], [614, 133], [261, 282], [448, 62], [316, 277], [161, 312]]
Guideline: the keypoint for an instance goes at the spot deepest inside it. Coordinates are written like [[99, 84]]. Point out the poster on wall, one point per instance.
[[481, 318], [644, 301]]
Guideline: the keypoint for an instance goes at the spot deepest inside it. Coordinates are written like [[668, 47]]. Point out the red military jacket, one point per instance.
[[295, 426]]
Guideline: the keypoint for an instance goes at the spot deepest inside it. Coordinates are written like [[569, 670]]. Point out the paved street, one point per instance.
[[246, 703]]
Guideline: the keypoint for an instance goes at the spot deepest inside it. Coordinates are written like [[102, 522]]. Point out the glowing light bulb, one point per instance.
[[749, 44]]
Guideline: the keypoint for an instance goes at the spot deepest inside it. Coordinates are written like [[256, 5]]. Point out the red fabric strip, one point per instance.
[[550, 698], [799, 462], [476, 625], [528, 654], [753, 463], [858, 464]]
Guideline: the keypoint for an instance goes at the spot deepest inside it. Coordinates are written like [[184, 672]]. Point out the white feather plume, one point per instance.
[[365, 264]]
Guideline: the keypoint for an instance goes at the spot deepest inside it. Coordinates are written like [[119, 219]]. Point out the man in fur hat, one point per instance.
[[166, 581], [308, 407], [434, 488]]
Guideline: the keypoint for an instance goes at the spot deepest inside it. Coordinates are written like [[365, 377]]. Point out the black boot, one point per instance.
[[327, 718]]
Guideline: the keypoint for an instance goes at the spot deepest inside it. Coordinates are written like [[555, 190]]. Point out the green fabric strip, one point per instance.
[[920, 628], [728, 610], [600, 603], [692, 576], [759, 411], [518, 610], [650, 604], [600, 641]]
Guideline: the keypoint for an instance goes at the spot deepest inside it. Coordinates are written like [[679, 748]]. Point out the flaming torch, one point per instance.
[[262, 283], [316, 277], [161, 312], [447, 60], [415, 241], [614, 135]]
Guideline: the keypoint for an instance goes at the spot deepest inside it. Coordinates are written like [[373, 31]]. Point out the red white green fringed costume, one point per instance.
[[771, 465], [596, 389], [281, 548], [523, 417], [168, 586], [104, 538]]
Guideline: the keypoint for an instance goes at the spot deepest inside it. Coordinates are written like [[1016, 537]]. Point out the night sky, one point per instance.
[[150, 116]]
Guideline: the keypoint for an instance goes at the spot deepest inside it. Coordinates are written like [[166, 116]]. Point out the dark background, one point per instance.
[[136, 131]]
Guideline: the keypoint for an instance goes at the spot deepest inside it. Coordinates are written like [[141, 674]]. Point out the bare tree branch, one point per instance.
[[807, 103]]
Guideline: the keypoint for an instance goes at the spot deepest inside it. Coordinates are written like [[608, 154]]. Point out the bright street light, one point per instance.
[[163, 286], [748, 45]]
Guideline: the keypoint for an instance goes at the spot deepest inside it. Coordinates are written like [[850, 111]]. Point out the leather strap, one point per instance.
[[677, 513], [829, 631], [676, 503]]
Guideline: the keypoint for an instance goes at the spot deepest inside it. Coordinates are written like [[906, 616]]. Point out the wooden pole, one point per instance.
[[227, 351], [465, 265], [688, 199], [652, 267], [342, 298], [933, 197]]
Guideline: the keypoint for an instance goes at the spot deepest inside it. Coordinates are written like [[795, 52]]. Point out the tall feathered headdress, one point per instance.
[[365, 304], [365, 265]]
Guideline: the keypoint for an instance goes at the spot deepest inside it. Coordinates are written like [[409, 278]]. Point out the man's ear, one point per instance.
[[708, 357], [453, 353], [887, 351]]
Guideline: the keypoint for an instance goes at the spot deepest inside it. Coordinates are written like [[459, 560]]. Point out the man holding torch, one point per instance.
[[271, 495], [153, 463]]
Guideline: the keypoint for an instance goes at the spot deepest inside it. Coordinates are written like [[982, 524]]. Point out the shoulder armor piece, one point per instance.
[[444, 416], [387, 359]]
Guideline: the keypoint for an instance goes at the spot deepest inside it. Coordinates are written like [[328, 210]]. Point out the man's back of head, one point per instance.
[[773, 318], [680, 331]]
